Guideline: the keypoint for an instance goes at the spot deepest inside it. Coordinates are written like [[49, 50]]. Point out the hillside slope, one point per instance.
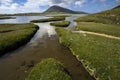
[[58, 9], [109, 17]]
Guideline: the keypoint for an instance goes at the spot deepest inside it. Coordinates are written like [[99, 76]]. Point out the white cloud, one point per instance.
[[6, 1], [34, 3], [30, 6], [80, 2], [66, 3], [8, 5], [34, 6], [93, 1], [102, 0]]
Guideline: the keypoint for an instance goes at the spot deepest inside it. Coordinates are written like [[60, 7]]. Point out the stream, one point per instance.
[[17, 64]]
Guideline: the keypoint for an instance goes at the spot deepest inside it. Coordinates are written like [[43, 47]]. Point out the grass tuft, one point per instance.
[[48, 69], [60, 24]]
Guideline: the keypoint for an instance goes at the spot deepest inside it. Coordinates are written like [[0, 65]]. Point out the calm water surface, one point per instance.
[[45, 44], [21, 19]]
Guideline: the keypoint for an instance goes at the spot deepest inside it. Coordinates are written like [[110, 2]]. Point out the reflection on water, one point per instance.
[[44, 29]]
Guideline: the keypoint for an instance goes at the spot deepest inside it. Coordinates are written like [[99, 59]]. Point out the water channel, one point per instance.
[[17, 64]]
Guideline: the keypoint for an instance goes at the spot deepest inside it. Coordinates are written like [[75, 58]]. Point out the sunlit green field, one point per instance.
[[49, 69], [109, 29], [107, 22], [14, 35], [100, 55]]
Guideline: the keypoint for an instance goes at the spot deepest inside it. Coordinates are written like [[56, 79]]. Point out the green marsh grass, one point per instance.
[[48, 69], [60, 24], [98, 53], [13, 36], [107, 22], [109, 29]]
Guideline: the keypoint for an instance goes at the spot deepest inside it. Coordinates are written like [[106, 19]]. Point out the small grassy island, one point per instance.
[[49, 69], [60, 24], [13, 36], [55, 18], [6, 17]]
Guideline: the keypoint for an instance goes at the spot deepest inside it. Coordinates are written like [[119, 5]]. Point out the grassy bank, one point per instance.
[[60, 24], [100, 55], [99, 28], [55, 18], [49, 69], [13, 36]]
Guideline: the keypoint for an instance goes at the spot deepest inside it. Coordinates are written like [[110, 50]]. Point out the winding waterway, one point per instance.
[[45, 44]]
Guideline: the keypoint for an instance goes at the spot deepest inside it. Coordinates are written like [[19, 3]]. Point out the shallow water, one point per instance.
[[72, 23], [21, 19], [45, 44]]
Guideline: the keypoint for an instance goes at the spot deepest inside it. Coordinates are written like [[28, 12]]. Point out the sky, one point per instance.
[[27, 6]]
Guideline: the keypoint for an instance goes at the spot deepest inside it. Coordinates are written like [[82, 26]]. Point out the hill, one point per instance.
[[51, 10], [109, 17], [58, 9], [117, 7]]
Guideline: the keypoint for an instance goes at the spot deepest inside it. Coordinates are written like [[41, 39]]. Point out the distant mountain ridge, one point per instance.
[[58, 9], [117, 7], [53, 9]]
